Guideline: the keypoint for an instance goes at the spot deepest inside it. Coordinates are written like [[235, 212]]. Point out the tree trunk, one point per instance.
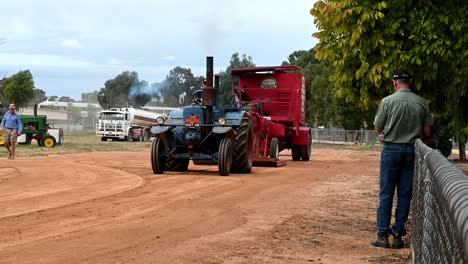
[[461, 148]]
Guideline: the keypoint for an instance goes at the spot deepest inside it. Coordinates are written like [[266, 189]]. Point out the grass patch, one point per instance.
[[77, 142]]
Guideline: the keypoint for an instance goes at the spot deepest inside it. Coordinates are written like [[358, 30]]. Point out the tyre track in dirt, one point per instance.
[[293, 214]]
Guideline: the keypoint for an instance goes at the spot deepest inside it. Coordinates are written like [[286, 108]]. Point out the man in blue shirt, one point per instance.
[[12, 128]]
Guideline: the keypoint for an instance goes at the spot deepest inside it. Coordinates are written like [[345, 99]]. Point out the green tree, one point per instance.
[[366, 41], [3, 100], [66, 99], [179, 81], [19, 88], [53, 98], [115, 92], [225, 77]]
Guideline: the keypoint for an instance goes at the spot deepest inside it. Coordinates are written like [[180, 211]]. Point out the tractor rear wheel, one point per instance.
[[243, 148], [158, 161], [305, 150], [176, 164], [48, 141], [274, 148], [296, 152], [225, 157]]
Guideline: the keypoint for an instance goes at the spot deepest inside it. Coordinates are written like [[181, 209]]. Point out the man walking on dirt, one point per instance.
[[12, 128], [401, 118]]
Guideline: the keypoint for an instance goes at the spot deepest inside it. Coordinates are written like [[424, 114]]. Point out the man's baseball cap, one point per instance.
[[12, 105], [401, 75]]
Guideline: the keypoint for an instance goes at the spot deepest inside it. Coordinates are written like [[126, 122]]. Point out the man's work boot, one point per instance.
[[397, 241], [382, 241]]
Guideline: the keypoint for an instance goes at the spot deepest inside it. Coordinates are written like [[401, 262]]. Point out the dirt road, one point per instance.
[[111, 208]]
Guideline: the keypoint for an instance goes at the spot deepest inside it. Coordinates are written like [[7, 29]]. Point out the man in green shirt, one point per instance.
[[401, 118]]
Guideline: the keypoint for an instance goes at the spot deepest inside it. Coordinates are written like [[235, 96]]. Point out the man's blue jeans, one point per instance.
[[396, 171]]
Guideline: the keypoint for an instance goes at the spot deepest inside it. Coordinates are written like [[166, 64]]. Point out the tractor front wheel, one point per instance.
[[274, 148], [48, 141], [158, 161], [225, 157]]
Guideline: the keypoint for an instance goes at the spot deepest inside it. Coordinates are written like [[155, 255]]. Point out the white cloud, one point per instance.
[[71, 43], [169, 58]]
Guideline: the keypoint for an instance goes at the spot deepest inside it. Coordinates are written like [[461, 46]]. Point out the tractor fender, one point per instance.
[[228, 132], [156, 130], [222, 130], [234, 118]]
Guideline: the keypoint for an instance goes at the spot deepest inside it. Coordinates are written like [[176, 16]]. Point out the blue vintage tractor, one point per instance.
[[204, 133]]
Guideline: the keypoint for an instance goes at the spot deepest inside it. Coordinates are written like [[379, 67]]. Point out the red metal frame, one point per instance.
[[277, 111]]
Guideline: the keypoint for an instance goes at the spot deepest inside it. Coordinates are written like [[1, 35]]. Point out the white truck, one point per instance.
[[126, 124]]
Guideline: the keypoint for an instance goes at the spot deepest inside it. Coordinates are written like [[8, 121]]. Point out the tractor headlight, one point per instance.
[[222, 121], [160, 120]]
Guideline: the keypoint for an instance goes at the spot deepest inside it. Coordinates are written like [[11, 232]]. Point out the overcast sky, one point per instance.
[[74, 46]]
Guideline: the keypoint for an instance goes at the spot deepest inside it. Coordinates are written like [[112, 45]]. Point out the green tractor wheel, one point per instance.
[[48, 141]]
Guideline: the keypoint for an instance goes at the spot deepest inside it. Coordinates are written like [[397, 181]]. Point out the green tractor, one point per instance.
[[36, 127]]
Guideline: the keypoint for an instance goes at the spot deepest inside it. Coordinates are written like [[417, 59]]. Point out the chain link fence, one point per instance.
[[440, 209], [339, 136]]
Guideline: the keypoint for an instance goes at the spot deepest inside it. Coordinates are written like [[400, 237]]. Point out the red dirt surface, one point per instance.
[[111, 208]]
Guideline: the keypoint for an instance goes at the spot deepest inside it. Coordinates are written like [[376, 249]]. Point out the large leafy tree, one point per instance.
[[366, 41], [225, 77], [19, 88], [179, 82]]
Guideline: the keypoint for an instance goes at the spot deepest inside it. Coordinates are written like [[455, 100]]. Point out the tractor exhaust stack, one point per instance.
[[209, 92]]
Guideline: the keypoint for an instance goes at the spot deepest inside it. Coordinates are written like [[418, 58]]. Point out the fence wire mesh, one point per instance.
[[440, 209], [339, 136]]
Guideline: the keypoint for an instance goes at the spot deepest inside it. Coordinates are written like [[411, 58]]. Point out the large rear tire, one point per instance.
[[274, 148], [243, 148], [306, 150], [176, 164], [225, 157], [158, 161]]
